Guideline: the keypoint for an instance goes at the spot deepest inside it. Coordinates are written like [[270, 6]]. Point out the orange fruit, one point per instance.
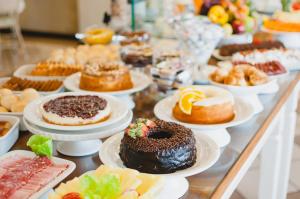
[[187, 99]]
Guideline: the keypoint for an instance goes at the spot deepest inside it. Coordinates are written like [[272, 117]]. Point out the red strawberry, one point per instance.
[[145, 130], [150, 123], [72, 195]]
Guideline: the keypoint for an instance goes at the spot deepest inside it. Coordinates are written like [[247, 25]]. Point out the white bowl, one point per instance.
[[10, 138]]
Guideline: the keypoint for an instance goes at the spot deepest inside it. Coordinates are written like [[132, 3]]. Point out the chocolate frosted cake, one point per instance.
[[157, 147], [71, 110], [229, 50]]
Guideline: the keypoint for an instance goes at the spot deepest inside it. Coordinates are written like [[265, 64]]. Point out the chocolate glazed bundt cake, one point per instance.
[[157, 147]]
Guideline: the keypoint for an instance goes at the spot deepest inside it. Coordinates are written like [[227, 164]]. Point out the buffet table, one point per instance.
[[270, 133]]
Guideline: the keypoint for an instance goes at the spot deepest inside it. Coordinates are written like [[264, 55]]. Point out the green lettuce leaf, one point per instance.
[[41, 145], [107, 187]]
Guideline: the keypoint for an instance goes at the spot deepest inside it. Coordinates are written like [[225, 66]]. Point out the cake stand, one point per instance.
[[78, 140], [80, 143], [250, 93], [140, 82], [244, 111]]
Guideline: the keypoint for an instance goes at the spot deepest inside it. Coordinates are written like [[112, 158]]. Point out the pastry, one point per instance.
[[240, 75], [85, 53], [98, 36], [5, 91], [73, 110], [157, 147], [105, 77], [19, 84], [111, 183], [286, 57], [3, 109], [4, 128], [8, 100], [204, 105], [29, 94], [53, 68], [23, 176], [16, 103], [171, 71], [283, 21], [134, 37], [137, 55], [230, 49], [270, 68]]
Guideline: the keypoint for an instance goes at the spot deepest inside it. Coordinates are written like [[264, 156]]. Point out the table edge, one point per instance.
[[231, 174]]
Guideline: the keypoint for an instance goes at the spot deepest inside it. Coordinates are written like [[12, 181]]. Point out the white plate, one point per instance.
[[10, 138], [25, 70], [56, 160], [216, 54], [60, 89], [173, 187], [140, 82], [32, 112], [243, 112], [208, 153], [81, 135], [246, 90]]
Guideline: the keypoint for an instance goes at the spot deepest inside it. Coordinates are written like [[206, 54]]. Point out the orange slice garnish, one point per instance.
[[187, 98]]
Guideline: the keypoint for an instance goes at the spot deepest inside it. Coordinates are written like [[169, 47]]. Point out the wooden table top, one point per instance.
[[214, 181]]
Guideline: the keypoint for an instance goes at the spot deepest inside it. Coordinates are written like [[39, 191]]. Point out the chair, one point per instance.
[[9, 17]]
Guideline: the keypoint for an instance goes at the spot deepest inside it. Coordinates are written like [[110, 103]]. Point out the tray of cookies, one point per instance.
[[44, 87], [47, 70]]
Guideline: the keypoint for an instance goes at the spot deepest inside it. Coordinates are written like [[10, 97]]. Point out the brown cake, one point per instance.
[[105, 77], [229, 50], [158, 147]]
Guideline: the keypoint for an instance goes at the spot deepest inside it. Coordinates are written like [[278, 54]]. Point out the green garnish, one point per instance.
[[41, 145], [107, 187]]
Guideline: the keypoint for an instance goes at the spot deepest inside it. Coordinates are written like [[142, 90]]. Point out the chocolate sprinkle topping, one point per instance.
[[84, 106], [179, 135]]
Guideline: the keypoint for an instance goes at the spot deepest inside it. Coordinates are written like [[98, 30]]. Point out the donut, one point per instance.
[[216, 107], [157, 147], [98, 36]]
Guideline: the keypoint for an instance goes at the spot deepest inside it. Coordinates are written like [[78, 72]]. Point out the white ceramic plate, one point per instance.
[[173, 187], [243, 112], [81, 135], [32, 112], [140, 82], [56, 160], [25, 70], [60, 89], [240, 90], [216, 54], [208, 153]]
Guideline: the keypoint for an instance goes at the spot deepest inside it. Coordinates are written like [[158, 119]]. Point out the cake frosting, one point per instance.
[[75, 110], [158, 147]]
